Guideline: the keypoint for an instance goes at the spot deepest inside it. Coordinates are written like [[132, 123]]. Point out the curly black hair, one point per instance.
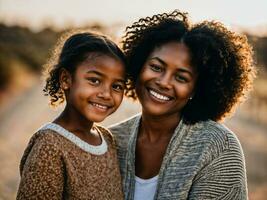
[[145, 35], [223, 60], [72, 49]]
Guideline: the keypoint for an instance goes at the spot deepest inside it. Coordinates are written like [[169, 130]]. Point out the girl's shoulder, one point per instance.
[[42, 145], [46, 137]]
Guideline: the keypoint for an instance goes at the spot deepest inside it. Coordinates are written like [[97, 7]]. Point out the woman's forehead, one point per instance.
[[172, 48], [172, 52]]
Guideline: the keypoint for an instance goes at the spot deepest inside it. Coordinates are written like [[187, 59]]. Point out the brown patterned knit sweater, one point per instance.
[[58, 165]]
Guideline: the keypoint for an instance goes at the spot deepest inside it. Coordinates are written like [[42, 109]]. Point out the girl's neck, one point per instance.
[[74, 123], [160, 126]]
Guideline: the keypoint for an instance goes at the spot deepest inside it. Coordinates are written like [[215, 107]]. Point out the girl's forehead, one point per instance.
[[104, 64], [93, 57], [98, 58]]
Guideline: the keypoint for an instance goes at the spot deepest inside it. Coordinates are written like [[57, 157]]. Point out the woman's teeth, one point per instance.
[[100, 106], [159, 96]]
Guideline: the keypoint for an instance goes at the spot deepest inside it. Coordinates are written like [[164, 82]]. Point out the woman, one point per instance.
[[187, 79]]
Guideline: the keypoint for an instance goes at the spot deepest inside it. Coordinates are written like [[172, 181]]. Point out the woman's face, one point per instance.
[[166, 81]]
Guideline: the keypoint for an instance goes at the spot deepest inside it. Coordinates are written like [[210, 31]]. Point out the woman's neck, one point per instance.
[[159, 127]]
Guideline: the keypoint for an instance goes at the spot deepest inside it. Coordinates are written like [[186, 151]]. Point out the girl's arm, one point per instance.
[[42, 173]]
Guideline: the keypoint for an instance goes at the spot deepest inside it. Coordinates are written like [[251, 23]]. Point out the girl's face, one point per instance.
[[96, 89], [166, 81]]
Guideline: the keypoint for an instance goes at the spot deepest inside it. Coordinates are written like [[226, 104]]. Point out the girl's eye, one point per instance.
[[181, 78], [94, 81], [156, 68], [118, 87]]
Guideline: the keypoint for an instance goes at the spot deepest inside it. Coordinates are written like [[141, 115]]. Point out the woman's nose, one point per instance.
[[164, 81]]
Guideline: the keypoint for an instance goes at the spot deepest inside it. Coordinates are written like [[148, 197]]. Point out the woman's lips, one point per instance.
[[159, 96]]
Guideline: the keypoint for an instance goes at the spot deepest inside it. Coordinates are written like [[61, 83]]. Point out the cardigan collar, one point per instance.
[[179, 132]]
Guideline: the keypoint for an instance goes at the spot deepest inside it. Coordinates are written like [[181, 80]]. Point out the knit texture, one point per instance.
[[54, 167], [202, 161]]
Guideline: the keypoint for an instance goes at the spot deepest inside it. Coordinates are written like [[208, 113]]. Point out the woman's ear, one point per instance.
[[65, 79]]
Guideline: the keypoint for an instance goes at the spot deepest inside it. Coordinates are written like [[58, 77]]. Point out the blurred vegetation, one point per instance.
[[260, 47], [28, 49], [22, 48], [21, 45]]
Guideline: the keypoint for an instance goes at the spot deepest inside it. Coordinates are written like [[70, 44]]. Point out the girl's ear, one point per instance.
[[65, 79]]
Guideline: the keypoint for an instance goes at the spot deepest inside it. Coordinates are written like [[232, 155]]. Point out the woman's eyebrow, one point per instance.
[[185, 70], [159, 60]]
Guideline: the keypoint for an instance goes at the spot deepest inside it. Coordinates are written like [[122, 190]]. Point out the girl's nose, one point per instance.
[[105, 93]]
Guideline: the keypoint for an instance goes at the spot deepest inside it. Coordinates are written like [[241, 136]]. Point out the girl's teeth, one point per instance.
[[159, 96], [100, 106]]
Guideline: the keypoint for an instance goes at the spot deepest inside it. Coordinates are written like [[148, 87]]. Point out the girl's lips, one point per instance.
[[100, 106]]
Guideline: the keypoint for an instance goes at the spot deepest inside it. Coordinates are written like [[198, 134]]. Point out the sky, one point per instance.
[[35, 13]]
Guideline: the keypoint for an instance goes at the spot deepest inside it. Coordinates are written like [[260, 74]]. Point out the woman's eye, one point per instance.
[[181, 79], [155, 68], [118, 87], [94, 81]]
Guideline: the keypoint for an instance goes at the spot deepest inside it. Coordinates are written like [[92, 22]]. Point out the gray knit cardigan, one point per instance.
[[202, 161]]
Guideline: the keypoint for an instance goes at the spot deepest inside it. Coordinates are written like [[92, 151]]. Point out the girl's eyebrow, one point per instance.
[[95, 72], [101, 74]]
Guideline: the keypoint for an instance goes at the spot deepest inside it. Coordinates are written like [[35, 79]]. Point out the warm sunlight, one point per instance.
[[29, 32], [244, 14]]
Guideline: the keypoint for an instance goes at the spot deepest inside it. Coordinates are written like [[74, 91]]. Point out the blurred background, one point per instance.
[[30, 28]]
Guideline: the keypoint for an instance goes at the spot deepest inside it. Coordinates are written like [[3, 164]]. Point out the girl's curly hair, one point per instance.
[[71, 50], [222, 58]]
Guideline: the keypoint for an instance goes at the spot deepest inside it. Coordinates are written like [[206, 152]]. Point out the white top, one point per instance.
[[145, 189], [93, 149]]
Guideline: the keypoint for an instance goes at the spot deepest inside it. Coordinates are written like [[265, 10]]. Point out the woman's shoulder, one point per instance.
[[124, 127], [216, 134]]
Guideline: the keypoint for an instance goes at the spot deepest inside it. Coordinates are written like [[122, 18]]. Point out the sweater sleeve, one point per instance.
[[42, 171], [224, 178]]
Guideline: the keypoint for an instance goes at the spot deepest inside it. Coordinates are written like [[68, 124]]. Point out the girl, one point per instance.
[[187, 78], [72, 158]]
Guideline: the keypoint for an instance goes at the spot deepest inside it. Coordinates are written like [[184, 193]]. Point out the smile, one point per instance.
[[159, 96], [99, 106]]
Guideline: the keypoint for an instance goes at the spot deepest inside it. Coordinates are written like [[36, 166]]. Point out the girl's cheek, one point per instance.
[[119, 97]]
